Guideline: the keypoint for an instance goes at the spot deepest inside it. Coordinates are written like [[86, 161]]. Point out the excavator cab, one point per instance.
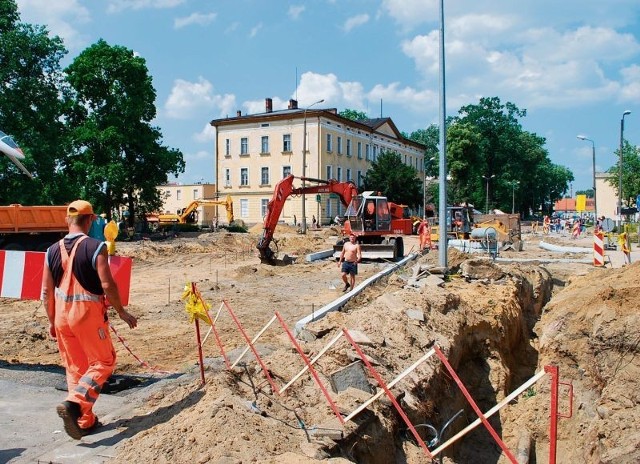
[[368, 213]]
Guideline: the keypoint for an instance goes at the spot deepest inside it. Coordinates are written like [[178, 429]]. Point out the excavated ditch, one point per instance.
[[483, 322]]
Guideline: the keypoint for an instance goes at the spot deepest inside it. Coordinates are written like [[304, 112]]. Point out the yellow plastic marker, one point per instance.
[[110, 234]]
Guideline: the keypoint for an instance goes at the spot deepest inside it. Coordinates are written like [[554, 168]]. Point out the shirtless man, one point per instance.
[[349, 259]]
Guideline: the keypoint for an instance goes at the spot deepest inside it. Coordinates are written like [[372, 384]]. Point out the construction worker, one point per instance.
[[424, 232], [75, 280], [625, 246], [348, 262]]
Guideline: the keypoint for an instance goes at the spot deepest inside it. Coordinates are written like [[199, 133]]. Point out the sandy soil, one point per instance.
[[494, 323]]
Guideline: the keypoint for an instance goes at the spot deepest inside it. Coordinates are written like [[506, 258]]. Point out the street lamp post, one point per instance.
[[595, 198], [487, 178], [513, 195], [304, 165], [620, 167]]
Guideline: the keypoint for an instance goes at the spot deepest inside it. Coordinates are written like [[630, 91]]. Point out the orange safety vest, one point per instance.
[[83, 338]]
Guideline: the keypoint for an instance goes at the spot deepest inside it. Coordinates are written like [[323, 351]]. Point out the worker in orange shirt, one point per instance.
[[75, 280], [424, 232]]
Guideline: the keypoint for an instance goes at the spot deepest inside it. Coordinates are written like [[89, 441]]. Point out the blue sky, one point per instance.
[[574, 65]]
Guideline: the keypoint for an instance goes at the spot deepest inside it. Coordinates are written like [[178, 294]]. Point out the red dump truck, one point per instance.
[[32, 228]]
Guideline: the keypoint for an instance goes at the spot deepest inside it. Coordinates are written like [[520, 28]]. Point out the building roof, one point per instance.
[[374, 125]]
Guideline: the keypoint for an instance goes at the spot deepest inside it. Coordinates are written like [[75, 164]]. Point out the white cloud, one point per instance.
[[207, 134], [630, 91], [60, 17], [295, 11], [200, 19], [116, 6], [189, 99], [254, 30], [355, 21], [411, 12]]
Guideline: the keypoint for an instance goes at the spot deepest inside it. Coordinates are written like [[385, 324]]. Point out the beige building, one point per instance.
[[254, 152], [606, 196], [177, 197]]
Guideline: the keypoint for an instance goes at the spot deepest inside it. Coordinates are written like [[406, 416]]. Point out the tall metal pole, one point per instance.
[[513, 195], [487, 178], [304, 165], [620, 167], [442, 210], [595, 198]]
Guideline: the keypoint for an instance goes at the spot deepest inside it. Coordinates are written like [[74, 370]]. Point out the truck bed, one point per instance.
[[27, 219]]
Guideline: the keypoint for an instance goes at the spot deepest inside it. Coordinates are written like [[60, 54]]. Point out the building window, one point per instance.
[[375, 152], [339, 174], [178, 194], [359, 182], [264, 176], [244, 176], [227, 147], [359, 150], [286, 143], [263, 206], [329, 172], [244, 208], [349, 175], [339, 143], [244, 146], [367, 152], [196, 194], [227, 177], [349, 147], [329, 143], [328, 208], [265, 144]]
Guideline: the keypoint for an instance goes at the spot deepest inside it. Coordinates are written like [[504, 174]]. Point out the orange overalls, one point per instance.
[[83, 338], [424, 231]]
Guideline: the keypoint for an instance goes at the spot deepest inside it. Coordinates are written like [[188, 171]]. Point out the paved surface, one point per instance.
[[33, 432]]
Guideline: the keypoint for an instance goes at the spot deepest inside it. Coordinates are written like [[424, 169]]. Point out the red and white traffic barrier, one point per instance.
[[598, 249], [21, 274]]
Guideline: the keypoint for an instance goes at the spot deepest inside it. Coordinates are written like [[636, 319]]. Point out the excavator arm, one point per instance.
[[345, 190]]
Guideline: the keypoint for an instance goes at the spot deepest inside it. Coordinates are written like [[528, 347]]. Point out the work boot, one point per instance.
[[70, 412], [346, 287]]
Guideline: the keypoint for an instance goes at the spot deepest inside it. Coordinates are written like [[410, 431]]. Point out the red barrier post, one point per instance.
[[553, 413]]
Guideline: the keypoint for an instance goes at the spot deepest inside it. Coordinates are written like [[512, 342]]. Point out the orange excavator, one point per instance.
[[189, 215], [370, 217]]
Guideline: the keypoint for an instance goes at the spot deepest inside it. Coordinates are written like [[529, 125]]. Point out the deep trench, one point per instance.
[[476, 355]]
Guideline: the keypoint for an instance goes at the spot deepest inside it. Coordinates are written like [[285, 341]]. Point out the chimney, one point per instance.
[[238, 113], [268, 105], [293, 104]]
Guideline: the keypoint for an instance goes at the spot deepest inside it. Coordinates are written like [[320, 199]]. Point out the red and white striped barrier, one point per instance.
[[598, 249], [21, 274]]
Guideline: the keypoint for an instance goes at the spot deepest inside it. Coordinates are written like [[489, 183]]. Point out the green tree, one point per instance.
[[630, 173], [487, 139], [428, 137], [353, 115], [394, 179], [118, 156], [588, 192], [31, 110]]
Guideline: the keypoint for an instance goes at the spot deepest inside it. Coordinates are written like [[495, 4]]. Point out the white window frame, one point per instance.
[[286, 143], [227, 147], [339, 145], [349, 148], [244, 208], [244, 146], [286, 170], [244, 177], [227, 177], [264, 144], [359, 150], [329, 172], [264, 175], [264, 202], [329, 143]]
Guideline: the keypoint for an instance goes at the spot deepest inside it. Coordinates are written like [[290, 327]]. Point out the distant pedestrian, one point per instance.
[[348, 262], [314, 222], [424, 232], [625, 246], [75, 280]]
